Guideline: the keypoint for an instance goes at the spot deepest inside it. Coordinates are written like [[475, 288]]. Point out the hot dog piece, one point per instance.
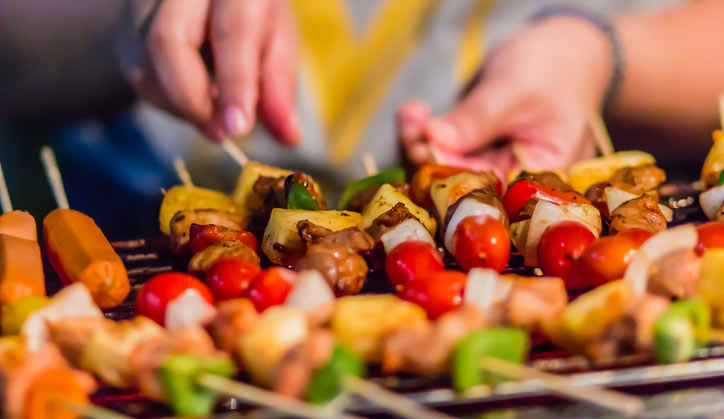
[[79, 252], [18, 224], [21, 269]]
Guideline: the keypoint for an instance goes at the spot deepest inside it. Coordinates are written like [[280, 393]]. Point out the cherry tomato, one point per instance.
[[522, 191], [560, 245], [481, 242], [203, 236], [711, 236], [271, 287], [230, 278], [164, 288], [409, 259], [638, 235], [436, 292], [607, 258]]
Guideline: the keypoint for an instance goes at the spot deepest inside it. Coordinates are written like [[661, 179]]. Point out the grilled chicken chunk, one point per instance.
[[642, 212], [225, 249], [182, 220]]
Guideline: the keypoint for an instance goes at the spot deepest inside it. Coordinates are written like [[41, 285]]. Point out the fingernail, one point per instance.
[[296, 128], [235, 123], [441, 131]]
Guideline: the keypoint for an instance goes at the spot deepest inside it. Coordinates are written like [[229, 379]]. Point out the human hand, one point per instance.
[[537, 93], [254, 49]]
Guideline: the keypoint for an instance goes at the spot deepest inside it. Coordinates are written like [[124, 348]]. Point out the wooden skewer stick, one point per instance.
[[368, 161], [269, 399], [600, 134], [89, 411], [235, 152], [435, 154], [53, 173], [7, 205], [393, 402], [614, 400], [182, 172]]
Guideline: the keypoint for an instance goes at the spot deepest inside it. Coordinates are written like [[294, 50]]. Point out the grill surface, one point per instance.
[[637, 375]]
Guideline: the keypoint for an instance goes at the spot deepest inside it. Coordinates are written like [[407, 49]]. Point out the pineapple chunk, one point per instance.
[[711, 283], [446, 192], [268, 340], [181, 198], [244, 194], [586, 173], [386, 198], [714, 162], [281, 232], [362, 323], [588, 315]]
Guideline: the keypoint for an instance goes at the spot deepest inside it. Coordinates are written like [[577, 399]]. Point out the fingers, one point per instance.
[[412, 119], [499, 160], [475, 122], [173, 41], [236, 38], [279, 77]]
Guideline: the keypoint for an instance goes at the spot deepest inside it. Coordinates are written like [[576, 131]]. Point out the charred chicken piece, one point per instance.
[[676, 275], [225, 249], [642, 212], [276, 190], [233, 317], [632, 333], [639, 179], [336, 254], [182, 221], [296, 367], [426, 351]]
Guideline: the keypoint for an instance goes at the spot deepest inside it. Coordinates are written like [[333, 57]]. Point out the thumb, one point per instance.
[[474, 123]]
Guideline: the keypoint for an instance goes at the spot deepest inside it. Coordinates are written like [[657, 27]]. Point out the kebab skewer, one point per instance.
[[21, 266], [77, 248]]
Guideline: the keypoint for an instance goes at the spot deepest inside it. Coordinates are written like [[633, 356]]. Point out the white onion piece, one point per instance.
[[711, 201], [547, 214], [468, 208], [310, 292], [657, 246], [484, 288], [408, 230], [188, 309], [616, 197], [72, 301]]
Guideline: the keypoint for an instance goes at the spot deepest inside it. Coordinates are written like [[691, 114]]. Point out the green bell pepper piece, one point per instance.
[[675, 331], [326, 382], [508, 344], [300, 198], [179, 374], [721, 178], [387, 176]]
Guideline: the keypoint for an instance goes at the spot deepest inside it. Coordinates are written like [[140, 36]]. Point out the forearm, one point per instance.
[[674, 67]]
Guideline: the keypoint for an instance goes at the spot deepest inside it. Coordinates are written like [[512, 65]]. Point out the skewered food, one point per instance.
[[282, 243], [589, 172], [79, 252], [204, 260], [169, 298], [224, 224], [184, 198]]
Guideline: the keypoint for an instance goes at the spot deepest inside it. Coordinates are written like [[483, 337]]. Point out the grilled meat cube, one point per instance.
[[299, 363], [642, 212], [336, 255], [182, 221], [225, 249]]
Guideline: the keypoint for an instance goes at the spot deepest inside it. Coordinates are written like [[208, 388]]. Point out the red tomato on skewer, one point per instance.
[[160, 290], [481, 242], [230, 278], [560, 246], [436, 292], [271, 287], [607, 258], [711, 236], [410, 259]]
